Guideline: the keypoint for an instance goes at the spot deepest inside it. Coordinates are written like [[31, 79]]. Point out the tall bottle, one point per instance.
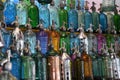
[[44, 15], [116, 64], [95, 17], [30, 37], [55, 36], [92, 42], [40, 64], [27, 65], [100, 39], [9, 12], [22, 13], [63, 15], [82, 39], [1, 10], [19, 37], [80, 14], [86, 65], [73, 39], [66, 64], [116, 20], [16, 61], [33, 14], [87, 17], [42, 36], [72, 17], [6, 37], [7, 66], [54, 65], [103, 20], [54, 15], [64, 38]]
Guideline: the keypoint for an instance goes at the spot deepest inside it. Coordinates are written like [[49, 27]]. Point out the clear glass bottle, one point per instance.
[[33, 14], [64, 38], [22, 13], [55, 36], [108, 5], [54, 15], [63, 15], [27, 65], [7, 66], [103, 20], [30, 36], [54, 65], [80, 14], [95, 17], [42, 36], [16, 61], [72, 17], [100, 39], [87, 17], [1, 10], [66, 64], [82, 39], [10, 12], [86, 65], [17, 34], [92, 41], [44, 15], [40, 63], [6, 37]]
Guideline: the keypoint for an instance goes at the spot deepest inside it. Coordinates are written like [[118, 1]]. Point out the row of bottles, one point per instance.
[[72, 17]]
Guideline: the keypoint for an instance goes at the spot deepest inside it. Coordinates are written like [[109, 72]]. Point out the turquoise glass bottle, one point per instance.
[[64, 38], [15, 1], [63, 15], [16, 61], [73, 39], [80, 14], [30, 37], [27, 64], [87, 17], [66, 64], [103, 20], [10, 12], [44, 15], [42, 36], [95, 17], [54, 15], [22, 13], [73, 17], [40, 63], [1, 10], [33, 14], [6, 37]]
